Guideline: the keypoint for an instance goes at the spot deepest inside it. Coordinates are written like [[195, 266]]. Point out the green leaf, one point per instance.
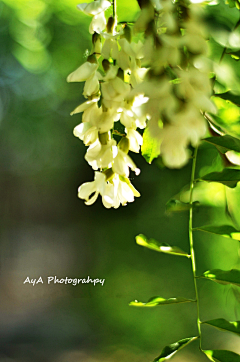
[[224, 325], [218, 355], [229, 96], [169, 351], [127, 11], [151, 146], [155, 301], [233, 3], [225, 143], [221, 122], [229, 177], [235, 55], [223, 276], [158, 246], [175, 205], [228, 231]]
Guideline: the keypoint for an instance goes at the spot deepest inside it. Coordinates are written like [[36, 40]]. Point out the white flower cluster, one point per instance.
[[110, 73], [177, 85], [171, 93]]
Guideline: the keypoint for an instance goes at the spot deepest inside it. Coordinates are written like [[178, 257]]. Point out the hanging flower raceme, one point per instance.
[[157, 81], [109, 73], [178, 90]]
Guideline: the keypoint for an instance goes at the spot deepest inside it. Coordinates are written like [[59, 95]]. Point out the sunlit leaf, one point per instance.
[[151, 146], [175, 205], [155, 301], [223, 122], [229, 96], [214, 125], [222, 356], [127, 11], [229, 177], [225, 143], [158, 246], [233, 197], [227, 231], [235, 55], [233, 3], [223, 276], [169, 351], [224, 325]]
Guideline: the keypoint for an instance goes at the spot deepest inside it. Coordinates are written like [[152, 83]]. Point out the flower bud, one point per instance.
[[92, 59], [127, 33], [120, 74], [109, 174], [150, 28], [124, 144], [103, 138], [110, 24], [106, 65], [97, 44], [95, 37], [144, 3]]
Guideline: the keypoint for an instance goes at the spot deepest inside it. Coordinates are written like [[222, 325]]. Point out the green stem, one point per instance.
[[225, 48], [192, 252], [115, 11]]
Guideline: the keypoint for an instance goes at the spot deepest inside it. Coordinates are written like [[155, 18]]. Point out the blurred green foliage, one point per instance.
[[46, 230]]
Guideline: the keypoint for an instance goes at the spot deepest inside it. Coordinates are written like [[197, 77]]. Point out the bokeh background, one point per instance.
[[46, 230]]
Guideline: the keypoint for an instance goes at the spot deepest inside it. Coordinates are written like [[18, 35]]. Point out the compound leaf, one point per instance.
[[228, 231], [160, 247], [225, 325], [229, 96], [155, 301], [151, 146], [170, 350], [223, 276], [224, 143], [229, 177], [222, 356]]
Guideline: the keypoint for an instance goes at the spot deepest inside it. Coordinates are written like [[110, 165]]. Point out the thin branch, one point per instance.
[[192, 252]]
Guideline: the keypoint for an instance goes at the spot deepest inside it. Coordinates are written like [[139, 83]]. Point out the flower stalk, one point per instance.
[[115, 11], [192, 252]]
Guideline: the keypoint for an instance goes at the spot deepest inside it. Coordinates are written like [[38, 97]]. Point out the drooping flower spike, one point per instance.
[[168, 93]]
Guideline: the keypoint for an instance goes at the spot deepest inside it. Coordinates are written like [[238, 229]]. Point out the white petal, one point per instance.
[[86, 189], [95, 7], [85, 71], [121, 87], [100, 180], [90, 136], [106, 49], [127, 121], [120, 165], [108, 196], [115, 49], [126, 191], [123, 60], [82, 107], [126, 46], [135, 140], [91, 86], [98, 23], [81, 129], [106, 158], [93, 199], [91, 113]]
